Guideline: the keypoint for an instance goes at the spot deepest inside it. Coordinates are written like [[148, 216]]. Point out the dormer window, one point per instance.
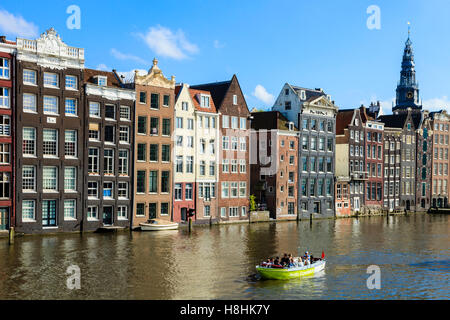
[[204, 101], [235, 99], [303, 95], [101, 80]]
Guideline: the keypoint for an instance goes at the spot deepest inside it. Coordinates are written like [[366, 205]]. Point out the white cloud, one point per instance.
[[261, 94], [218, 44], [437, 104], [166, 43], [123, 56], [102, 67], [17, 25]]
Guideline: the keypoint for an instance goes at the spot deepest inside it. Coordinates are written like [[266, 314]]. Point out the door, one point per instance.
[[408, 205], [4, 218], [49, 213], [183, 214], [107, 215]]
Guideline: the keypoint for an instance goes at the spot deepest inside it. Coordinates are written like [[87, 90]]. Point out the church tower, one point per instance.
[[407, 88]]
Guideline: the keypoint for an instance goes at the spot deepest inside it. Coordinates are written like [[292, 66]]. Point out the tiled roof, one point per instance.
[[343, 119], [270, 120], [112, 80], [309, 93], [393, 120], [195, 94]]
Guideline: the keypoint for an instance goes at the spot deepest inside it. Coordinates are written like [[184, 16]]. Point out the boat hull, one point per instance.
[[292, 273], [158, 227]]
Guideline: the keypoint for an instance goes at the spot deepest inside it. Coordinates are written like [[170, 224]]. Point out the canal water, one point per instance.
[[219, 262]]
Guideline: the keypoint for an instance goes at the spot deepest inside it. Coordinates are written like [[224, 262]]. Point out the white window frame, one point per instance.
[[26, 74], [72, 205], [5, 98], [71, 82], [29, 103]]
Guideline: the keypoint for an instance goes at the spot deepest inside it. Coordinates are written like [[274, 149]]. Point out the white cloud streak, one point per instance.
[[17, 25], [123, 56], [261, 94], [169, 44]]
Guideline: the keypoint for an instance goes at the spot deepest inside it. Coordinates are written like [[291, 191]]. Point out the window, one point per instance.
[[225, 121], [207, 211], [71, 82], [166, 100], [188, 191], [202, 168], [28, 178], [29, 77], [178, 191], [93, 189], [50, 80], [28, 210], [70, 209], [225, 190], [165, 181], [125, 113], [101, 80], [191, 124], [243, 123], [184, 106], [223, 212], [122, 190], [4, 98], [110, 112], [234, 122], [204, 101], [94, 134], [50, 142], [233, 212], [225, 165], [154, 101], [242, 189], [179, 122], [5, 188], [140, 181], [70, 143], [233, 189], [70, 179], [243, 144], [109, 134], [94, 109], [93, 161], [304, 143], [142, 125], [108, 190], [4, 68], [212, 168], [165, 157], [234, 143], [287, 105], [124, 134], [189, 164], [5, 155], [122, 212], [92, 213], [140, 209], [234, 99], [141, 152], [29, 102], [123, 162], [49, 213], [164, 209], [153, 152], [29, 142], [108, 161], [154, 126], [50, 105], [242, 166], [179, 164], [225, 142], [153, 182], [179, 141], [142, 97], [50, 178]]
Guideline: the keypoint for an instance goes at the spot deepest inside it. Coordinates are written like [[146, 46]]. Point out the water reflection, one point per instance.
[[219, 262]]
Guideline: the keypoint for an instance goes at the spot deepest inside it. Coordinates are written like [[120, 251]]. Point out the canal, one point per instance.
[[219, 262]]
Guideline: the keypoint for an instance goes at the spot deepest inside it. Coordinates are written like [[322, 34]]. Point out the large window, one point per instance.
[[141, 152], [124, 134], [29, 102], [93, 161], [123, 162], [140, 181], [93, 189], [165, 157], [108, 190], [122, 190], [70, 178], [29, 77], [122, 212], [51, 80], [28, 178], [178, 191], [5, 125], [71, 107], [70, 143], [70, 209], [5, 187], [109, 134], [110, 112], [94, 109], [154, 126], [5, 95], [4, 68], [28, 210], [166, 127], [188, 191], [154, 101], [154, 152], [50, 178], [92, 213], [153, 182], [50, 142], [165, 181], [189, 164], [50, 105], [71, 82], [108, 161], [5, 153], [142, 125], [125, 113]]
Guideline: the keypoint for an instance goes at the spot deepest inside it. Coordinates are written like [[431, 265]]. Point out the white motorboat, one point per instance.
[[157, 225]]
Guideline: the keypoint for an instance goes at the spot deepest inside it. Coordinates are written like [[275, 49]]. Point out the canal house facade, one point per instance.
[[108, 156], [315, 115], [234, 126], [153, 159], [7, 139], [424, 154], [274, 149], [49, 133], [440, 122]]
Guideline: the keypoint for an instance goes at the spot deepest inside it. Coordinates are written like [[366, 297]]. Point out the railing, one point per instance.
[[64, 51]]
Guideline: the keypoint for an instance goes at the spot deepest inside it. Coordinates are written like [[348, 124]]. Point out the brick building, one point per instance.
[[274, 166]]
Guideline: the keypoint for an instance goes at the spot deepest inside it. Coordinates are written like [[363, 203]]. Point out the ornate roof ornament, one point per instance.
[[155, 77]]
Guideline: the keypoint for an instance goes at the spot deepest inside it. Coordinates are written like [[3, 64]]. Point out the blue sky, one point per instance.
[[314, 44]]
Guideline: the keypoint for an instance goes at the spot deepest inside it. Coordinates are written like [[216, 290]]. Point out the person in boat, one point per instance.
[[285, 260], [276, 261], [300, 262], [291, 262]]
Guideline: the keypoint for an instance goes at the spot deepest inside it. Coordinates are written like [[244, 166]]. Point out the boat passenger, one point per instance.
[[291, 262], [300, 262], [285, 260], [276, 261]]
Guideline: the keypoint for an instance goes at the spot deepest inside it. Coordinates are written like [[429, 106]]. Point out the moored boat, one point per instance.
[[270, 273], [157, 225]]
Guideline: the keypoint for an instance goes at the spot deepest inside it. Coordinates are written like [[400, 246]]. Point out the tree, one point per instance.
[[252, 203]]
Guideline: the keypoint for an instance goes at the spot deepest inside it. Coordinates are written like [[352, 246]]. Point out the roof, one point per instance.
[[310, 94], [343, 119], [218, 90], [270, 120], [394, 120], [195, 93], [112, 78]]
